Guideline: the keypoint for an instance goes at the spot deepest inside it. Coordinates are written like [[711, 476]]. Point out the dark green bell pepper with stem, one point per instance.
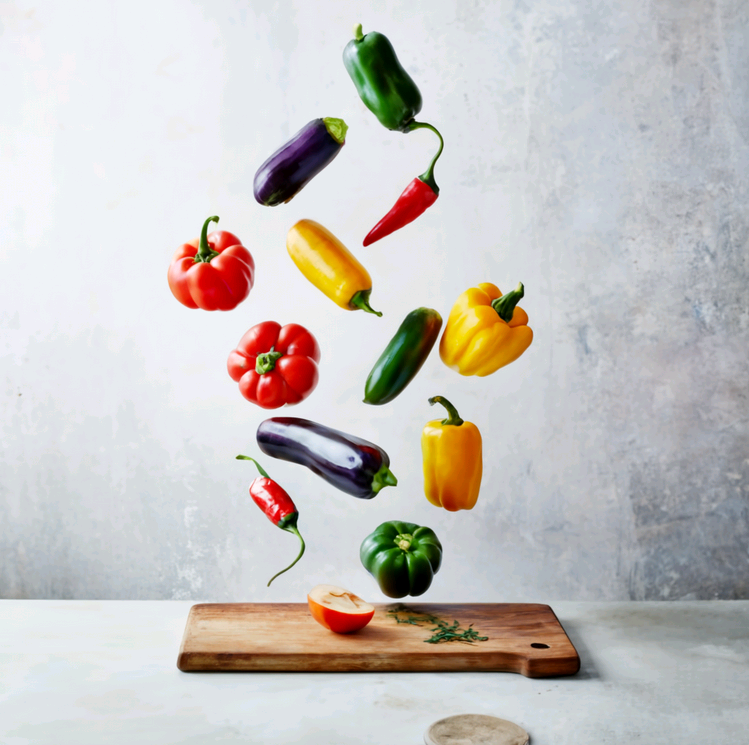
[[386, 89], [402, 557]]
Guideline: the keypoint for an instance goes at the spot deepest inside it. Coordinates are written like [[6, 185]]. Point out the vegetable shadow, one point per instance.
[[588, 670]]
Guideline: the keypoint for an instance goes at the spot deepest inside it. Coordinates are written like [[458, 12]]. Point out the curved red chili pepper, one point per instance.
[[414, 201], [417, 197], [277, 505]]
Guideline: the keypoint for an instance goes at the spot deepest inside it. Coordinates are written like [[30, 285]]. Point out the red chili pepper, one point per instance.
[[275, 365], [278, 506], [215, 273], [417, 197]]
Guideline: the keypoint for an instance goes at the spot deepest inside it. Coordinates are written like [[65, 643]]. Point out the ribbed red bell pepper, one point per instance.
[[215, 272], [275, 365]]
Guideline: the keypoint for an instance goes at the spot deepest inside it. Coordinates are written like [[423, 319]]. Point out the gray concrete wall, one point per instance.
[[595, 151]]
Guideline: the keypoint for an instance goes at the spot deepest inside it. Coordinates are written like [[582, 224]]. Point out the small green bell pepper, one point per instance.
[[387, 90], [402, 557]]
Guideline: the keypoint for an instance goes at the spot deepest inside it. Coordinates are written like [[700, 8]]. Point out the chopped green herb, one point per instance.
[[442, 631]]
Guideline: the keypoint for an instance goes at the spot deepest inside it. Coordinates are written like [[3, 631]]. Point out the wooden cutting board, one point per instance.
[[523, 638]]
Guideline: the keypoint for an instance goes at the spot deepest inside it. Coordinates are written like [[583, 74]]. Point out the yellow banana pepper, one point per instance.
[[486, 330], [330, 266], [451, 449]]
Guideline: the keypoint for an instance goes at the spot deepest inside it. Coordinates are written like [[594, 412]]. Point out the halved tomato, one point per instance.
[[339, 610]]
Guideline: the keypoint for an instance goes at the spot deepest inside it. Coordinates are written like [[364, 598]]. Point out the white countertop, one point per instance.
[[88, 672]]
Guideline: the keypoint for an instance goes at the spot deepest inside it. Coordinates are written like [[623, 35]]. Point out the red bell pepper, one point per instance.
[[214, 273], [417, 197], [275, 365], [277, 505]]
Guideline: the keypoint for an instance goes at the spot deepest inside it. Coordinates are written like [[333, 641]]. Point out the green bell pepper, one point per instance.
[[387, 90], [403, 357], [402, 557]]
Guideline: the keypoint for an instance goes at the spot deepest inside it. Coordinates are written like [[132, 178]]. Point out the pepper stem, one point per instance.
[[361, 301], [358, 33], [259, 467], [505, 305], [291, 528], [384, 477], [205, 252], [428, 176], [403, 541], [453, 418], [266, 361]]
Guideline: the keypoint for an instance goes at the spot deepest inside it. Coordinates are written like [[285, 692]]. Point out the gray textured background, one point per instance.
[[597, 151]]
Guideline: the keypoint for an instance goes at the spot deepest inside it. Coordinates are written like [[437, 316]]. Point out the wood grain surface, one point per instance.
[[524, 638]]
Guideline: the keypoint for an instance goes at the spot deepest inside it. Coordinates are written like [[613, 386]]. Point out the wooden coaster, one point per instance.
[[475, 729]]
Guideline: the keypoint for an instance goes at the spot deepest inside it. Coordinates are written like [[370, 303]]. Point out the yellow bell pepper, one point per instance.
[[451, 449], [330, 266], [486, 330]]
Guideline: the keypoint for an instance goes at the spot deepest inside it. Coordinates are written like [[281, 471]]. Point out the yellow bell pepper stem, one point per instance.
[[452, 455], [486, 330], [453, 418], [330, 266], [505, 305]]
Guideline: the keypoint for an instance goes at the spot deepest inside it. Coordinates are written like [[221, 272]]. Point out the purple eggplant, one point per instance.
[[297, 162], [349, 463]]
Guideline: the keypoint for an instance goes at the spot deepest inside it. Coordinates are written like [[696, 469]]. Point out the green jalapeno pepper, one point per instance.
[[402, 557], [403, 356]]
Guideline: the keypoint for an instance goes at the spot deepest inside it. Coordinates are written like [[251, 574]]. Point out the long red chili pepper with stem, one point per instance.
[[419, 195], [277, 505]]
